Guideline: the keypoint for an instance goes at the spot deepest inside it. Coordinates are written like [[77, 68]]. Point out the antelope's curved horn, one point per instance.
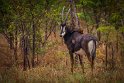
[[63, 13], [67, 15]]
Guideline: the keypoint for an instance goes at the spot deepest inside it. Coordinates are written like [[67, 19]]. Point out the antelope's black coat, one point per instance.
[[75, 41]]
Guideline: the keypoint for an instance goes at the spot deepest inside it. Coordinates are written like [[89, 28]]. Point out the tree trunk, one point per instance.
[[97, 20], [46, 32], [24, 44], [24, 55], [11, 37], [117, 43], [112, 48], [33, 51], [25, 51], [72, 14], [85, 18], [106, 51], [15, 47]]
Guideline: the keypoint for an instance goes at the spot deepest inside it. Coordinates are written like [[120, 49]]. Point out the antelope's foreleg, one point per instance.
[[72, 61]]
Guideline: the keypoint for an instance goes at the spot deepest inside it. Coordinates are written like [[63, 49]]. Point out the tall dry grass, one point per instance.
[[54, 67]]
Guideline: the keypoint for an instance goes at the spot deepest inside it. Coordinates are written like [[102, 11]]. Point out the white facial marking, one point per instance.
[[63, 32], [64, 28], [91, 46]]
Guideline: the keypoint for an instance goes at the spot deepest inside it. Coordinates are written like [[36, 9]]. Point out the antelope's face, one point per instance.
[[63, 25], [63, 29]]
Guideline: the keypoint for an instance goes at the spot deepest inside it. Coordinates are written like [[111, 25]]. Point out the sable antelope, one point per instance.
[[76, 42]]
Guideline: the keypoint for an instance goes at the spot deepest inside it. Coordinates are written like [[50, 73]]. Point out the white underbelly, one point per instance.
[[80, 52]]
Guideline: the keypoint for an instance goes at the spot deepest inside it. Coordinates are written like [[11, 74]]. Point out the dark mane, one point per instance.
[[72, 29]]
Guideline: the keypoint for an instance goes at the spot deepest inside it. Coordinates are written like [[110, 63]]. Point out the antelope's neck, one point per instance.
[[67, 36]]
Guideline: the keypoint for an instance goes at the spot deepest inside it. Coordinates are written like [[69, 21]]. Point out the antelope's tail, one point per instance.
[[92, 51]]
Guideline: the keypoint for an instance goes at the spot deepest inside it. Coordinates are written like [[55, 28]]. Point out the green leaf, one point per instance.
[[106, 29], [86, 16], [121, 29]]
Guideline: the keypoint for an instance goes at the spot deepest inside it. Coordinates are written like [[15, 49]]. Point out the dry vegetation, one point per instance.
[[54, 67]]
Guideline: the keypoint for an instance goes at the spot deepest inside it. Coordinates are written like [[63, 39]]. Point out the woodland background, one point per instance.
[[31, 50]]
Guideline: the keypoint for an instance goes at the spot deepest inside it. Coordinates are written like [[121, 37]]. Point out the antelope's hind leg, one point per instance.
[[92, 63], [81, 62]]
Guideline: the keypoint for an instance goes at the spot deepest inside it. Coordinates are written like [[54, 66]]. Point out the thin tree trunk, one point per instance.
[[15, 47], [37, 60], [117, 43], [11, 40], [46, 32], [106, 51], [33, 52], [72, 14], [85, 19], [25, 51], [25, 46], [112, 48], [24, 55], [34, 34], [97, 20]]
